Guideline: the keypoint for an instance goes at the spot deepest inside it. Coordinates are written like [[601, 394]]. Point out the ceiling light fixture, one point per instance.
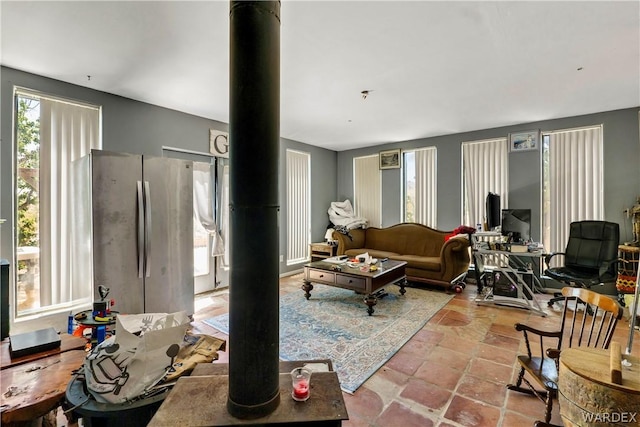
[[365, 93]]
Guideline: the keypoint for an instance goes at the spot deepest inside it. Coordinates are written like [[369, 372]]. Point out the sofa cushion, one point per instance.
[[421, 262], [406, 239]]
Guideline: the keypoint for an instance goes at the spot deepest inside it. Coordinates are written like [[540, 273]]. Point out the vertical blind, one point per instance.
[[67, 132], [485, 169], [367, 189], [575, 182], [298, 206], [426, 188]]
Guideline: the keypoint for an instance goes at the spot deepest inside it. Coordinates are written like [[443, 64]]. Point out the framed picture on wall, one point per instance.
[[390, 159], [524, 141]]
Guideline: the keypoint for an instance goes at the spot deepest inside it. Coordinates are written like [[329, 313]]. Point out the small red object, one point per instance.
[[301, 389]]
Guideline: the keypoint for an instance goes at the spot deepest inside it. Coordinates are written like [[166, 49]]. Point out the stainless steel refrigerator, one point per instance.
[[133, 230]]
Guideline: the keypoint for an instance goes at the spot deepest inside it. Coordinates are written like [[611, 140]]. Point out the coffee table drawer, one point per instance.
[[351, 282], [323, 276]]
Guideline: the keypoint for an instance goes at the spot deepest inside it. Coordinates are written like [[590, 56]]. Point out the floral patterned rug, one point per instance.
[[334, 324]]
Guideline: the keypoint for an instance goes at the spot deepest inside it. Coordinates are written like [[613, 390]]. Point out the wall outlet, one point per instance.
[[281, 258]]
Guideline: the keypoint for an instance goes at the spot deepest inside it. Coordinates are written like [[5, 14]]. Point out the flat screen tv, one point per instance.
[[516, 225], [492, 210]]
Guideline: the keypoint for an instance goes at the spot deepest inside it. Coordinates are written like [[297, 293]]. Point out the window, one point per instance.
[[572, 174], [367, 189], [420, 189], [484, 169], [50, 134], [298, 206]]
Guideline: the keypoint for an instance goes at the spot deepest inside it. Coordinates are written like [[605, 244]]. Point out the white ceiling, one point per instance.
[[433, 68]]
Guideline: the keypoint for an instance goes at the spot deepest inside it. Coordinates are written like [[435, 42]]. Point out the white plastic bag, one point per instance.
[[122, 367]]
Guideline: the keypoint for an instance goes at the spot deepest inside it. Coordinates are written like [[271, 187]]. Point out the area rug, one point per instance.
[[334, 325]]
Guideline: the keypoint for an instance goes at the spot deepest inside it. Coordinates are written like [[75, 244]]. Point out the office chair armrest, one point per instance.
[[526, 328], [547, 257]]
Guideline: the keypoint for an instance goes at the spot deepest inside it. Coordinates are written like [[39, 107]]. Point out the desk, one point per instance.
[[585, 389], [514, 275]]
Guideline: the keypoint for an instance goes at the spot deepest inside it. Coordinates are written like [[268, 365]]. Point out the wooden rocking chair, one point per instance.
[[592, 327]]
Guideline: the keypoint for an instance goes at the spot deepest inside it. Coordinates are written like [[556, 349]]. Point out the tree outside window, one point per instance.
[[28, 202]]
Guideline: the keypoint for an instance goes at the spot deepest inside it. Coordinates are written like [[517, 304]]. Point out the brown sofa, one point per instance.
[[429, 258]]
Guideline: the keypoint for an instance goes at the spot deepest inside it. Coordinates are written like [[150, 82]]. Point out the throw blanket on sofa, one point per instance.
[[341, 214]]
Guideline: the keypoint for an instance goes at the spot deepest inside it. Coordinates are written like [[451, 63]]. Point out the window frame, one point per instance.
[[431, 184], [561, 232], [298, 202], [24, 316], [373, 190], [503, 189]]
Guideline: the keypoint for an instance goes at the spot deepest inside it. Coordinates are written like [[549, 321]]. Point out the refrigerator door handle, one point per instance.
[[147, 229], [141, 248]]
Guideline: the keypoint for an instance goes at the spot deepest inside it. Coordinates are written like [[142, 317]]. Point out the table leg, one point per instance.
[[402, 283], [307, 287], [370, 300]]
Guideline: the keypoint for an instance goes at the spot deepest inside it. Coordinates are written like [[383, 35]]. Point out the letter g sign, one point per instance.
[[219, 143]]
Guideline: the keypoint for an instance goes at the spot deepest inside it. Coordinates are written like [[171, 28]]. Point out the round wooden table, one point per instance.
[[586, 395], [32, 389]]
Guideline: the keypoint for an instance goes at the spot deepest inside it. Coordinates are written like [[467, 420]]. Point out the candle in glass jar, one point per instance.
[[301, 389], [300, 378]]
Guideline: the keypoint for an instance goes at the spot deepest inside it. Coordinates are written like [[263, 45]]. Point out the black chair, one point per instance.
[[590, 257]]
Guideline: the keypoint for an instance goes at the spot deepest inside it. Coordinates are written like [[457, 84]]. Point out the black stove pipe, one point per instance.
[[254, 136]]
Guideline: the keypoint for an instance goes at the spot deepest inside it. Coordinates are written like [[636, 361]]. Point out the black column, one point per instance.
[[254, 132]]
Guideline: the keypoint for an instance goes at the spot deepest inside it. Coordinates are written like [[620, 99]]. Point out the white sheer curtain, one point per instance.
[[203, 205], [67, 132], [426, 188], [298, 206], [485, 169], [575, 182], [367, 189], [223, 209]]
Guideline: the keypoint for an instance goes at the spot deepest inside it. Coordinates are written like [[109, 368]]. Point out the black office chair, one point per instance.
[[590, 257]]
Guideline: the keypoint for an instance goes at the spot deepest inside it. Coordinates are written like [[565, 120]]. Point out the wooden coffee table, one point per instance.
[[369, 283]]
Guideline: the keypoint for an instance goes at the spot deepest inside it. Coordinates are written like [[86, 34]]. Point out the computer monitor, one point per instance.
[[493, 210], [516, 224]]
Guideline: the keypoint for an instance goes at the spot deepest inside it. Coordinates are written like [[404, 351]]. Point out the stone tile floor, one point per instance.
[[453, 372]]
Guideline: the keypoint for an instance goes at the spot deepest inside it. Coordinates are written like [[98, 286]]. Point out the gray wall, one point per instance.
[[621, 179], [137, 127]]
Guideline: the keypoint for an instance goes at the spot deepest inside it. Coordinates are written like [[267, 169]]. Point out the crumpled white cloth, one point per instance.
[[341, 213]]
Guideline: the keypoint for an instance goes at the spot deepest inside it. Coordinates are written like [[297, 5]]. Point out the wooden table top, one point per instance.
[[384, 267], [593, 364], [67, 343], [31, 389], [201, 400]]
